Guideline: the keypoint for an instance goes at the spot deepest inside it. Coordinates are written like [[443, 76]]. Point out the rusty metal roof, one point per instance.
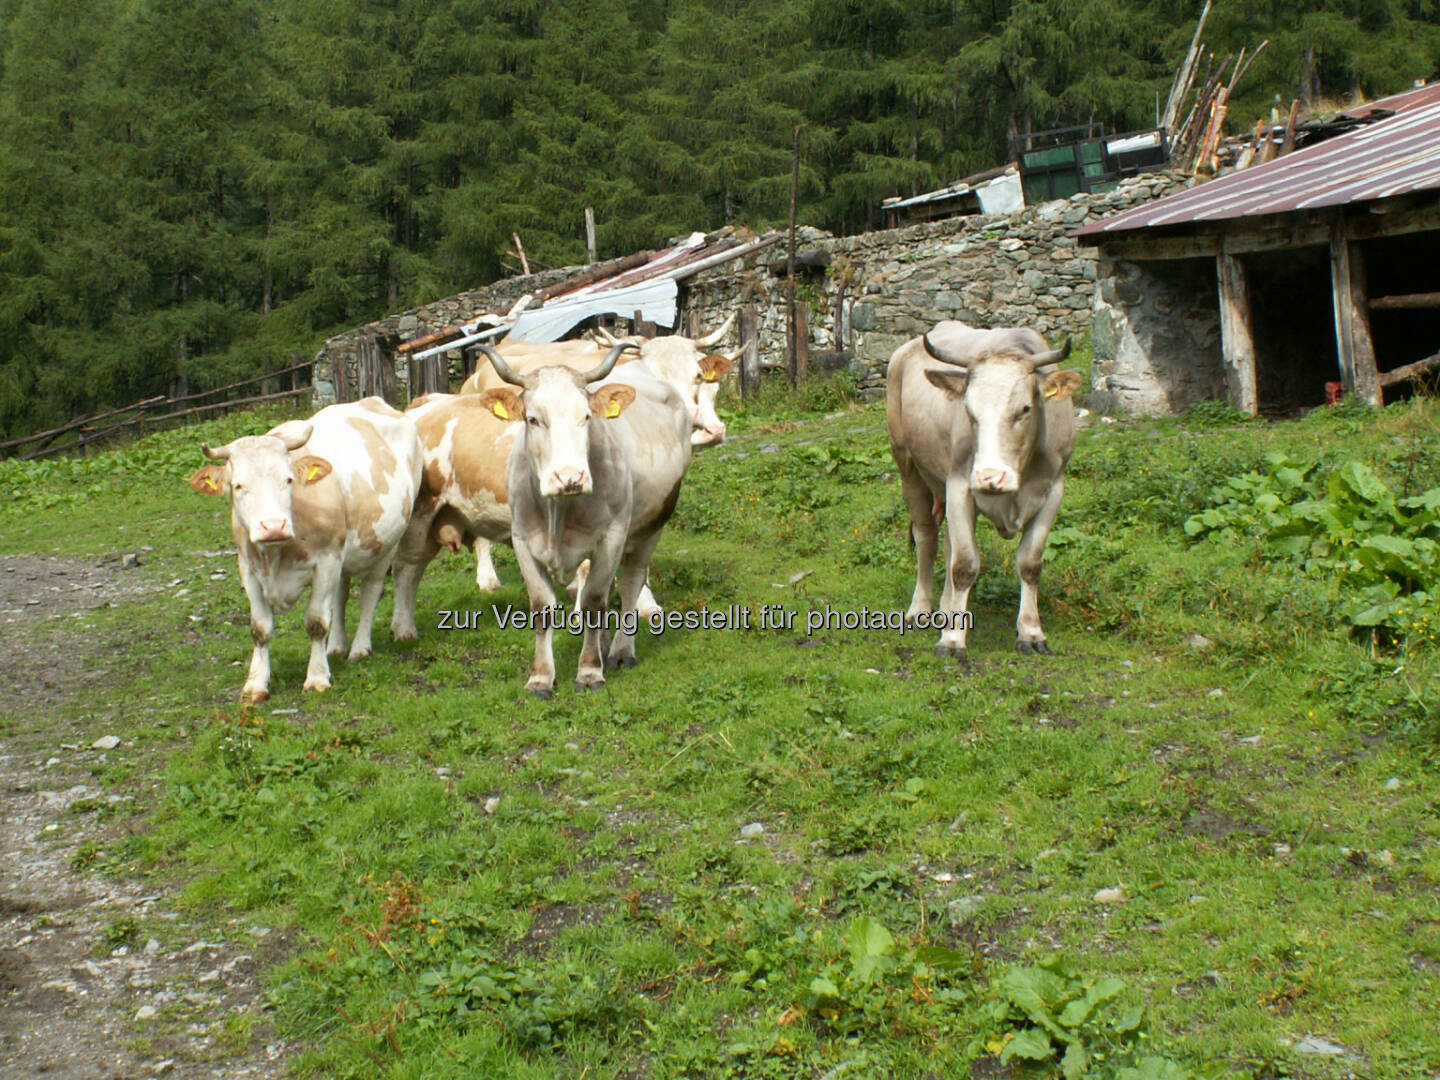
[[1397, 155]]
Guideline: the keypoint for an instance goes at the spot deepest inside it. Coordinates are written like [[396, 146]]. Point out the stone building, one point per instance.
[[863, 295], [1265, 285]]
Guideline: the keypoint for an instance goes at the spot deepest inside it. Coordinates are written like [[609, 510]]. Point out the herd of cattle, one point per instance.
[[574, 453]]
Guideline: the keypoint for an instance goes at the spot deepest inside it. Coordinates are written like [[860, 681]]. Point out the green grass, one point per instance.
[[483, 884]]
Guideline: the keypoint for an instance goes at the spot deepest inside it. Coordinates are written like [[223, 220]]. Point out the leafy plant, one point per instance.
[[1049, 1015]]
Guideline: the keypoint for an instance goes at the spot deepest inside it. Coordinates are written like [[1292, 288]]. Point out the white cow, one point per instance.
[[314, 503], [594, 474], [985, 432]]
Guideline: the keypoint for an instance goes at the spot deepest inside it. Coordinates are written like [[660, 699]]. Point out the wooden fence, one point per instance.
[[153, 414]]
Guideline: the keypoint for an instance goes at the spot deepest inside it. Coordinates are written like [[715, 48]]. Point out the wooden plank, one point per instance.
[[1185, 77], [1367, 377], [598, 272], [802, 341], [590, 233], [749, 323], [437, 338], [1237, 340], [1353, 345], [1413, 300], [1288, 142], [1410, 371], [1140, 246]]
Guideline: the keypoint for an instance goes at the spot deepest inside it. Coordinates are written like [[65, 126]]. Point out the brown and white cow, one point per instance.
[[314, 503], [462, 493], [984, 431], [594, 474]]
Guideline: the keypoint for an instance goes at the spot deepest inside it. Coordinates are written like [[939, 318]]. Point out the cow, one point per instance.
[[594, 474], [316, 503], [676, 359], [985, 431], [462, 501]]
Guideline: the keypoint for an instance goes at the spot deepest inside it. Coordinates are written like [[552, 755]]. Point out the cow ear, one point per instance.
[[952, 382], [1060, 384], [611, 401], [714, 367], [311, 469], [503, 402], [211, 480]]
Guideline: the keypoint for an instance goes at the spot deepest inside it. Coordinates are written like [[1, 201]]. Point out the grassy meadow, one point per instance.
[[1201, 839]]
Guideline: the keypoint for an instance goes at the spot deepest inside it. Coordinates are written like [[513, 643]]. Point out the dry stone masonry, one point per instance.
[[1020, 269]]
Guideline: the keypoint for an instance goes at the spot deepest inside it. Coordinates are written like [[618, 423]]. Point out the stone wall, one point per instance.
[[1019, 269], [1156, 337]]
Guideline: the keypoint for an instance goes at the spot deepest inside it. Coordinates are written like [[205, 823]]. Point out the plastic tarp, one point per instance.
[[655, 300]]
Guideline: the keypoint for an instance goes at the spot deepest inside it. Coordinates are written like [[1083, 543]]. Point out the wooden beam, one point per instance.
[[590, 233], [1413, 300], [1287, 143], [1139, 246], [1237, 340], [1353, 345], [1410, 371], [1185, 77]]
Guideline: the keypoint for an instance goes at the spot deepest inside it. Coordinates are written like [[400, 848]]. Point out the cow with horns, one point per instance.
[[594, 474], [989, 431], [315, 503]]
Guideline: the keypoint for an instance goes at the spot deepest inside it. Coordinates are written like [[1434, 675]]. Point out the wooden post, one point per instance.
[[520, 251], [1288, 142], [640, 325], [590, 232], [1353, 344], [802, 342], [750, 359], [1237, 341], [340, 376], [692, 322], [791, 336], [1185, 77]]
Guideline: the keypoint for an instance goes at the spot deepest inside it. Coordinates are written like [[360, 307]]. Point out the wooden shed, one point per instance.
[[1265, 285]]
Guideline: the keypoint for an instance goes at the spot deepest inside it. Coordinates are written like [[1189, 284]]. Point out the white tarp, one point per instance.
[[1001, 195], [655, 300]]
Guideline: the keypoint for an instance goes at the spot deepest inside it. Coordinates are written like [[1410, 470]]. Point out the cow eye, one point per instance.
[[1025, 410], [289, 479], [532, 421], [237, 487]]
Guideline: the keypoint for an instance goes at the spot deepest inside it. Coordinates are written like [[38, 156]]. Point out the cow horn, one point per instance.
[[596, 374], [944, 358], [713, 338], [504, 370], [605, 337], [1054, 356], [216, 453], [293, 434]]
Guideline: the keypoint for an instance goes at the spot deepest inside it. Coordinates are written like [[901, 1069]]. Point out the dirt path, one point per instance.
[[101, 978]]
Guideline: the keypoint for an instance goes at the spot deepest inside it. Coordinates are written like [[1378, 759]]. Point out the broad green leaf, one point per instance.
[[1075, 1061], [1033, 1044]]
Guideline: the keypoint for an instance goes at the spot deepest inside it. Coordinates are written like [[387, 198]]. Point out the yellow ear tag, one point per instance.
[[210, 483], [710, 376], [1051, 391], [612, 409], [498, 408], [310, 476]]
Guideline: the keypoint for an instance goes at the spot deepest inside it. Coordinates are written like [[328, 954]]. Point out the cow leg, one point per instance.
[[372, 587], [593, 601], [578, 582], [336, 643], [962, 559], [924, 531], [486, 580], [634, 569], [646, 606], [317, 622], [416, 552], [1029, 559], [542, 600], [262, 629]]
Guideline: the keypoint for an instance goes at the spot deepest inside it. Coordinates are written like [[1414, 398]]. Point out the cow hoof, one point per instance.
[[611, 663], [1027, 648], [250, 696], [316, 685], [358, 654], [544, 693], [335, 650], [1024, 647], [586, 687], [493, 585], [404, 634], [947, 651]]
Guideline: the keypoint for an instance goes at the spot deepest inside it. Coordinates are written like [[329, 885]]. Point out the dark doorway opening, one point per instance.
[[1293, 316]]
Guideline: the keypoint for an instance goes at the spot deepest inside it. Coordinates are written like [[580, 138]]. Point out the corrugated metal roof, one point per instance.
[[1394, 156]]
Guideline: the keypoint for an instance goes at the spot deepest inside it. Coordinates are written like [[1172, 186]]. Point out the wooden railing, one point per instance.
[[152, 414]]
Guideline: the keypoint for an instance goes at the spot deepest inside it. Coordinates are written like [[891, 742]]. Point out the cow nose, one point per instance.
[[570, 481], [708, 436], [272, 530], [991, 480]]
